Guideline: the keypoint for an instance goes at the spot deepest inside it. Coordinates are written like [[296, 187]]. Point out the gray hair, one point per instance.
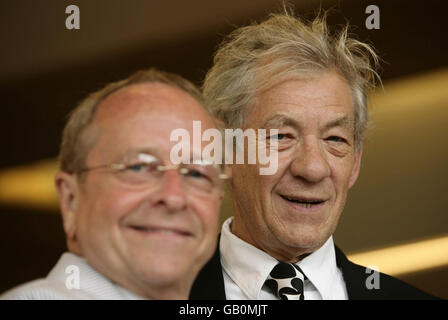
[[76, 140], [257, 56]]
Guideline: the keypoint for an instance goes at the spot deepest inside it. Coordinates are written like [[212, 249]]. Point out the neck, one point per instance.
[[173, 291]]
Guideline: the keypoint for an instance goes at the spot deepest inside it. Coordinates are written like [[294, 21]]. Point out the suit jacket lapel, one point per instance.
[[354, 276]]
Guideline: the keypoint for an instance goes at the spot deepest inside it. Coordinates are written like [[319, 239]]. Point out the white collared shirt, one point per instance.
[[92, 284], [246, 268]]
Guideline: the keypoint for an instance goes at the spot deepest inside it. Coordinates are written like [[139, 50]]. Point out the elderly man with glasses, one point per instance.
[[137, 225]]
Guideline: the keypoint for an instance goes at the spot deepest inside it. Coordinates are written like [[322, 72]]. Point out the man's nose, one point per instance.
[[171, 191], [310, 161]]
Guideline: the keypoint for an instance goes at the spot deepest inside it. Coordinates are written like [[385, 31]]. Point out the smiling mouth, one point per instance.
[[161, 230], [304, 203]]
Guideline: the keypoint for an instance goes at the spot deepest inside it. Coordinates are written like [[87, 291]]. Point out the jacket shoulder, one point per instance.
[[364, 284]]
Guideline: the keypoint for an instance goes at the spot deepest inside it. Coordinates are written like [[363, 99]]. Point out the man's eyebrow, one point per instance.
[[156, 153], [133, 152], [280, 120], [343, 121]]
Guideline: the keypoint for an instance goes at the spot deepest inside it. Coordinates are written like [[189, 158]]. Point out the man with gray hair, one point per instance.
[[311, 85], [137, 225]]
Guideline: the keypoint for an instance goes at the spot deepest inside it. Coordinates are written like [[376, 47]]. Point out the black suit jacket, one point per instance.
[[209, 284]]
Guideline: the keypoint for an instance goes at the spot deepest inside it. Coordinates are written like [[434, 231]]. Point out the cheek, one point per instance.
[[206, 212], [268, 183], [242, 181], [107, 205], [341, 173], [285, 162]]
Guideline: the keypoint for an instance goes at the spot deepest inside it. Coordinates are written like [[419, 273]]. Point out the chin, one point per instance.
[[304, 238], [165, 275]]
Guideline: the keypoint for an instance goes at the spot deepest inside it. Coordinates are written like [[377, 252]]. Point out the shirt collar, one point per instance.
[[245, 264], [321, 270], [249, 266], [91, 281]]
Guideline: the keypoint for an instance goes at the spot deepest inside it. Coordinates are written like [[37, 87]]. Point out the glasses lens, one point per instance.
[[201, 177], [148, 170], [140, 173]]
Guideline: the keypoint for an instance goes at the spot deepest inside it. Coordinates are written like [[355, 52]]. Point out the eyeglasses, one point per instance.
[[146, 169]]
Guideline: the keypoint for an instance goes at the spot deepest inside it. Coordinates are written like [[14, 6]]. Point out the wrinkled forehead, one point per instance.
[[324, 91]]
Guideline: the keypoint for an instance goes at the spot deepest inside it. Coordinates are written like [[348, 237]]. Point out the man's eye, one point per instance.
[[138, 167], [336, 139], [280, 136], [196, 174]]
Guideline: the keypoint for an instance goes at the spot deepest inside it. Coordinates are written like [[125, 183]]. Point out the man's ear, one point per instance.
[[67, 188], [356, 167]]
